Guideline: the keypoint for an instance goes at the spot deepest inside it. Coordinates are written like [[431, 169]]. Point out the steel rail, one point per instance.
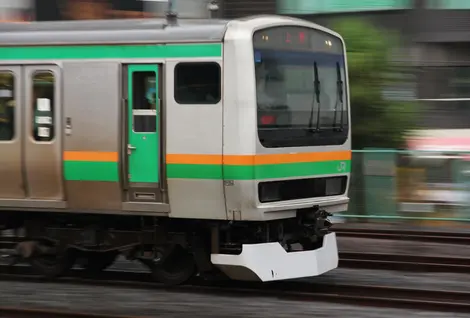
[[366, 295], [363, 295], [403, 262], [406, 235]]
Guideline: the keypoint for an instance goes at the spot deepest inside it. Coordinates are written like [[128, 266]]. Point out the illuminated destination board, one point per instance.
[[297, 39]]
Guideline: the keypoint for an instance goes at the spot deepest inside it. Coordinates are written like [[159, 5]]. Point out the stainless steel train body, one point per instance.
[[235, 133]]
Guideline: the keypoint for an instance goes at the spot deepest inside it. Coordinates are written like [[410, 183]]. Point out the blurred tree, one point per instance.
[[376, 121]]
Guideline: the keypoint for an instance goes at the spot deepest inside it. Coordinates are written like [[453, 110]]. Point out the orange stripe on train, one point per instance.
[[258, 159], [91, 156], [194, 159], [242, 160]]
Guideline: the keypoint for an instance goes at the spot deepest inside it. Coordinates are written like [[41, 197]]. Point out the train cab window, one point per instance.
[[43, 106], [197, 83], [144, 102], [7, 106]]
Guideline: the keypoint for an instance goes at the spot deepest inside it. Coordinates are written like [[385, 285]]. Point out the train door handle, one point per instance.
[[130, 148]]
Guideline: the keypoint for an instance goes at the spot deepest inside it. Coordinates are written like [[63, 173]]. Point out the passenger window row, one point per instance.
[[195, 83], [41, 101]]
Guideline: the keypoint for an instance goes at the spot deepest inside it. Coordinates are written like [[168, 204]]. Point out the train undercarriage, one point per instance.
[[173, 249]]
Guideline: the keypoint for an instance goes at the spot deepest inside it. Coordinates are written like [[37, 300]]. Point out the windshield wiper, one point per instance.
[[316, 91], [339, 100]]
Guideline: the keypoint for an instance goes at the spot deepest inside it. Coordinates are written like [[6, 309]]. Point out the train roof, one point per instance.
[[126, 31], [112, 32]]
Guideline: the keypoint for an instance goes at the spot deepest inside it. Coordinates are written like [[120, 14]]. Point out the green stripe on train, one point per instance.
[[111, 51], [246, 172], [108, 171], [91, 171]]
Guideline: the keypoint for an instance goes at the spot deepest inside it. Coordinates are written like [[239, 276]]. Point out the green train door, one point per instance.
[[143, 140]]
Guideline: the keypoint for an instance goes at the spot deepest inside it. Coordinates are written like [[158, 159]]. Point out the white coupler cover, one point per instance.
[[269, 261]]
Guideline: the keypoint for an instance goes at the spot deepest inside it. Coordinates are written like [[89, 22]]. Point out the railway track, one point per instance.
[[403, 262], [405, 235], [364, 295]]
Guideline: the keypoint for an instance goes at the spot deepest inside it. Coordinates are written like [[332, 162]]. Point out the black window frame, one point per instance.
[[140, 126], [53, 101], [175, 72], [13, 114]]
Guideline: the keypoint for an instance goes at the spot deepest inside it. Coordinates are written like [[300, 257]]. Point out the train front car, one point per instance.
[[287, 150]]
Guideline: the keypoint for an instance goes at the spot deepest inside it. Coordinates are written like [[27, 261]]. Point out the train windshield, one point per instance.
[[300, 88]]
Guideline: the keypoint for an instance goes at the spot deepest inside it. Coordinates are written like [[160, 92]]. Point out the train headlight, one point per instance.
[[334, 186]]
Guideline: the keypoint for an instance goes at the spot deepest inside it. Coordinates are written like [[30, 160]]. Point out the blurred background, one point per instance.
[[409, 64]]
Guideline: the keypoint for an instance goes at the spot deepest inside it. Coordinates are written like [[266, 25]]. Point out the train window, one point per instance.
[[197, 83], [7, 106], [144, 101], [43, 106]]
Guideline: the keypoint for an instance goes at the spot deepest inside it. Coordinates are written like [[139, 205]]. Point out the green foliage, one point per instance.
[[376, 122]]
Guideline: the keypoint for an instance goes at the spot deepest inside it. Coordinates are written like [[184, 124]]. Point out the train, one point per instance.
[[194, 146]]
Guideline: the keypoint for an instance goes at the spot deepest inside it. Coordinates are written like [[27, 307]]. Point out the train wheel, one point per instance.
[[95, 262], [176, 268], [52, 266]]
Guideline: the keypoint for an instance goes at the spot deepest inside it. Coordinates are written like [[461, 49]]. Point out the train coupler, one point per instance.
[[316, 220]]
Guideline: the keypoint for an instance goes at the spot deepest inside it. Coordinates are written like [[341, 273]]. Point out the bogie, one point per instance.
[[45, 259], [171, 250], [173, 265]]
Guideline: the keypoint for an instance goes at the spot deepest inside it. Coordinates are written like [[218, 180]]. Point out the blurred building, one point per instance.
[[16, 10], [240, 8], [53, 10]]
